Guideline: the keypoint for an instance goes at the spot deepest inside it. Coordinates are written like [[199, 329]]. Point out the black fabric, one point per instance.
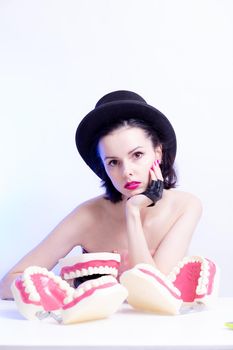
[[154, 191]]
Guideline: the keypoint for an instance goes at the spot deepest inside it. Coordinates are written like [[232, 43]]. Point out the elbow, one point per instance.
[[4, 295], [5, 287]]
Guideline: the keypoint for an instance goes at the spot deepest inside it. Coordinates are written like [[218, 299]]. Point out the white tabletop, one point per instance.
[[126, 329]]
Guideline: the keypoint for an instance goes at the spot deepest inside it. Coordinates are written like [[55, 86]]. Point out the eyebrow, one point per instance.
[[133, 150]]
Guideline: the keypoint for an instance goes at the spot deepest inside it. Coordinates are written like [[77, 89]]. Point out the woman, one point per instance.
[[131, 146]]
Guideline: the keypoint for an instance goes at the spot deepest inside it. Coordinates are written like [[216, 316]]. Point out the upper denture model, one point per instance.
[[89, 265]]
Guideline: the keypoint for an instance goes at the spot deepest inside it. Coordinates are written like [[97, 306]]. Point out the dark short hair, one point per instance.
[[167, 164]]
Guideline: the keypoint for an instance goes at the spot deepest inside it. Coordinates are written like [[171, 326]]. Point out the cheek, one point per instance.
[[111, 174], [146, 166], [108, 172]]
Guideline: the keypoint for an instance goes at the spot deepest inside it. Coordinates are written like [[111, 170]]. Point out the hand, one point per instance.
[[154, 190]]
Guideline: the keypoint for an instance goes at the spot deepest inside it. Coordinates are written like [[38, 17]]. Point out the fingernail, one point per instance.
[[158, 162]]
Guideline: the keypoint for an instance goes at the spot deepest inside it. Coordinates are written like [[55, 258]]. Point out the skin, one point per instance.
[[158, 235]]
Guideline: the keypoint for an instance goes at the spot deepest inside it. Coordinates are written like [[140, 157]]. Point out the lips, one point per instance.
[[132, 185]]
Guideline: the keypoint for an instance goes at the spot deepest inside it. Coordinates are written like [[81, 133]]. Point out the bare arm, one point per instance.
[[56, 245], [175, 244], [137, 246]]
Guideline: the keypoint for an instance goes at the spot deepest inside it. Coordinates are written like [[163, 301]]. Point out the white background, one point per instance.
[[57, 58]]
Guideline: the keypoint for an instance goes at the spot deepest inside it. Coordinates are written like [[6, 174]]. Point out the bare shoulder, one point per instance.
[[185, 201], [87, 215], [90, 209]]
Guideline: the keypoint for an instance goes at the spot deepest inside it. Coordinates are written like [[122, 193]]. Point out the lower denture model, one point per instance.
[[150, 290], [95, 299], [197, 278], [39, 292]]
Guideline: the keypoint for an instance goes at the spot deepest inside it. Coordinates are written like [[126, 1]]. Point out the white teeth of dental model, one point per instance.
[[31, 290], [73, 274], [197, 278], [95, 283], [86, 286], [89, 264], [28, 283], [90, 270], [96, 270], [172, 277], [78, 292], [84, 272], [101, 270], [34, 296], [203, 280], [68, 300], [113, 271], [201, 290], [39, 291], [63, 284]]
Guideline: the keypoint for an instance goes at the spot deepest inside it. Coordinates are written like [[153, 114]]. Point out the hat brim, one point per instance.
[[109, 113]]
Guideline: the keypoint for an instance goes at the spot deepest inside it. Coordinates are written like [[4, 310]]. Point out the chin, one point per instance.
[[133, 193]]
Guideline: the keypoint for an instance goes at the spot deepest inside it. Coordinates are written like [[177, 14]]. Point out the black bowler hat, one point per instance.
[[116, 106]]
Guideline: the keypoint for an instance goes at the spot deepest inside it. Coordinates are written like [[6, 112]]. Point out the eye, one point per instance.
[[138, 155], [112, 162]]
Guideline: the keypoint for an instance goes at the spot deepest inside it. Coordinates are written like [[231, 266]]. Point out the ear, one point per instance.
[[158, 153]]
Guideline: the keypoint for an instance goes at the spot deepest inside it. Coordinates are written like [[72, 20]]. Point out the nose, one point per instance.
[[127, 170]]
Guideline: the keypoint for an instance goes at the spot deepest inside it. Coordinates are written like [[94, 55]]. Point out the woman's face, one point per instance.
[[128, 154]]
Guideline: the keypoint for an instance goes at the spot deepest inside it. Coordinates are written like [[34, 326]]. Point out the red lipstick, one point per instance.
[[132, 185]]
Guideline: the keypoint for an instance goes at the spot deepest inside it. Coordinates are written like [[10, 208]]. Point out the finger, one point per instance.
[[154, 169], [152, 175], [157, 170]]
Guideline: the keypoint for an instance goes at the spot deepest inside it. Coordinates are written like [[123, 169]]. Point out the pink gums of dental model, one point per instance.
[[51, 295], [39, 290], [38, 293], [86, 265], [89, 264], [100, 301], [197, 279]]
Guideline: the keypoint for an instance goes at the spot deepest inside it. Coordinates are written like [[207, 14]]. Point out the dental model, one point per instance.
[[150, 290], [82, 267], [94, 299], [197, 278], [39, 293]]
